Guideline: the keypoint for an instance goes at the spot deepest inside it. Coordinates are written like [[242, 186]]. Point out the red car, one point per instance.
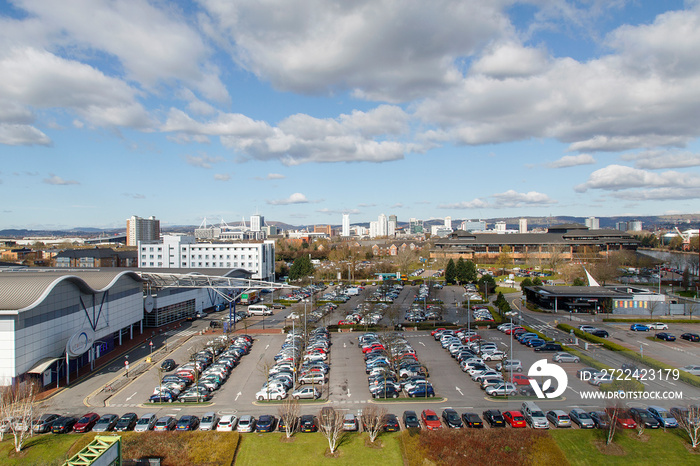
[[346, 322], [624, 418], [515, 418], [368, 349], [511, 330], [472, 338], [432, 334], [520, 379], [430, 419], [86, 422]]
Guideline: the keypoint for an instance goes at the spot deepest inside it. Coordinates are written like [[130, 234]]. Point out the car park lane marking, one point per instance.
[[421, 343], [459, 390], [518, 398], [237, 395], [131, 396]]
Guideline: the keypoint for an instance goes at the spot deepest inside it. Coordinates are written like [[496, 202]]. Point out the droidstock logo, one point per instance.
[[542, 368]]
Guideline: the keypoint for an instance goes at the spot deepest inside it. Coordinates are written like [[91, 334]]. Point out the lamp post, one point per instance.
[[151, 345], [511, 314]]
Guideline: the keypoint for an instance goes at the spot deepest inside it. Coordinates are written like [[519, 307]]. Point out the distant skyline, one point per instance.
[[301, 110]]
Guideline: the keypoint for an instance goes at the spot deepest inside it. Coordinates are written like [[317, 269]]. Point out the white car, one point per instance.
[[658, 326], [272, 393], [246, 423], [505, 389], [227, 423], [694, 370], [495, 356]]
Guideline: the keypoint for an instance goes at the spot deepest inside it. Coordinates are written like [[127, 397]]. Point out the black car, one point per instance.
[[451, 418], [494, 418], [63, 424], [691, 336], [391, 423], [126, 422], [642, 415], [472, 420], [308, 423], [266, 423], [168, 365], [665, 336], [527, 390], [282, 427], [549, 347], [389, 391], [599, 333], [600, 418], [410, 420]]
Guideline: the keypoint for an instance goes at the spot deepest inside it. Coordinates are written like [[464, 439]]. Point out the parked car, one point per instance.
[[624, 418], [692, 369], [126, 422], [266, 423], [641, 415], [639, 328], [430, 419], [306, 393], [510, 365], [600, 419], [308, 423], [86, 422], [665, 336], [581, 418], [559, 418], [515, 418], [390, 423], [663, 416], [691, 337], [208, 421], [165, 423], [472, 420], [146, 422], [410, 420], [505, 389], [350, 422], [658, 326], [549, 347], [246, 423], [519, 379], [44, 423], [451, 418], [494, 418], [187, 422], [600, 333], [565, 357], [106, 423], [63, 424], [227, 423]]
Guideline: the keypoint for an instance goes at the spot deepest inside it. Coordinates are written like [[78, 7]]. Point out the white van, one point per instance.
[[259, 310]]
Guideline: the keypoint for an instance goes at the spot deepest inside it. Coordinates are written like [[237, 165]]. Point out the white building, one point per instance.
[[256, 222], [391, 227], [522, 225], [53, 320], [448, 223], [141, 229], [593, 223], [183, 252], [346, 225], [634, 225], [500, 227], [473, 225], [383, 225]]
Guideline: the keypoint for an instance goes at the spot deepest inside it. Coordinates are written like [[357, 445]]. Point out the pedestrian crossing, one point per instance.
[[181, 333]]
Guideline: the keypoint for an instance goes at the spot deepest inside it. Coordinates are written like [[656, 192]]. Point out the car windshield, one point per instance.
[[518, 418], [84, 419], [583, 416], [144, 421], [431, 417], [411, 418], [537, 414]]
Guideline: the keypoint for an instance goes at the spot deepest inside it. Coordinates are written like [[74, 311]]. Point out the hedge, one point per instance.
[[539, 334], [647, 361]]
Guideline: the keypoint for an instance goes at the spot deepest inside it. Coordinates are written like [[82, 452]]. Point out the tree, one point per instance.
[[372, 419], [471, 271], [688, 421], [526, 282], [606, 271], [289, 414], [578, 281], [301, 268], [331, 426], [404, 260], [536, 281], [555, 256], [17, 409], [450, 272], [461, 271], [504, 259], [613, 412], [686, 279]]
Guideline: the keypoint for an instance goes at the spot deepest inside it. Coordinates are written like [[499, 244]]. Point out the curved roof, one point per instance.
[[20, 291]]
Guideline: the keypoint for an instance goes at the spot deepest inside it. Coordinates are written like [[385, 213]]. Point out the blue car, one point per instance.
[[536, 343], [421, 390], [663, 416], [639, 328]]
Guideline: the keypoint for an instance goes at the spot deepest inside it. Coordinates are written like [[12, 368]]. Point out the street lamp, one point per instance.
[[151, 345], [511, 314]]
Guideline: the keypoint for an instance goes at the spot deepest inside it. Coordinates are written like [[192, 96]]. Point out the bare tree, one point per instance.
[[613, 413], [652, 307], [640, 426], [331, 426], [404, 260], [17, 411], [689, 421], [289, 414], [372, 419]]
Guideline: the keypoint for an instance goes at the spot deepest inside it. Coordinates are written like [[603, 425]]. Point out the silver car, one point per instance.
[[565, 357], [209, 421], [559, 418], [146, 422], [582, 418]]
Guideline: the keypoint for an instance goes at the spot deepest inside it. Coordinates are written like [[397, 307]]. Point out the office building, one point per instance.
[[142, 229], [256, 222], [346, 225], [469, 225], [593, 223], [448, 223], [522, 225]]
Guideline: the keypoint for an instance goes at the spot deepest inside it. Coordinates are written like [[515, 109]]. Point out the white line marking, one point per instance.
[[460, 391]]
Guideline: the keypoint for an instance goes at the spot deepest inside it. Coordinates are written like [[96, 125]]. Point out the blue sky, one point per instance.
[[301, 110]]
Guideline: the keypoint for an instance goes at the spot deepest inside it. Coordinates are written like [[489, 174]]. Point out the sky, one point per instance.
[[301, 110]]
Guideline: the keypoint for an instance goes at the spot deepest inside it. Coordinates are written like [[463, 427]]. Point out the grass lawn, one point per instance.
[[39, 450], [311, 448], [506, 290], [656, 447]]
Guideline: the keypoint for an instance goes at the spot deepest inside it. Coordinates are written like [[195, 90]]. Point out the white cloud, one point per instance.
[[619, 177], [275, 176], [328, 211], [22, 135], [374, 47], [222, 177], [660, 159], [572, 161], [57, 180], [296, 198], [203, 161], [510, 59], [508, 199]]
